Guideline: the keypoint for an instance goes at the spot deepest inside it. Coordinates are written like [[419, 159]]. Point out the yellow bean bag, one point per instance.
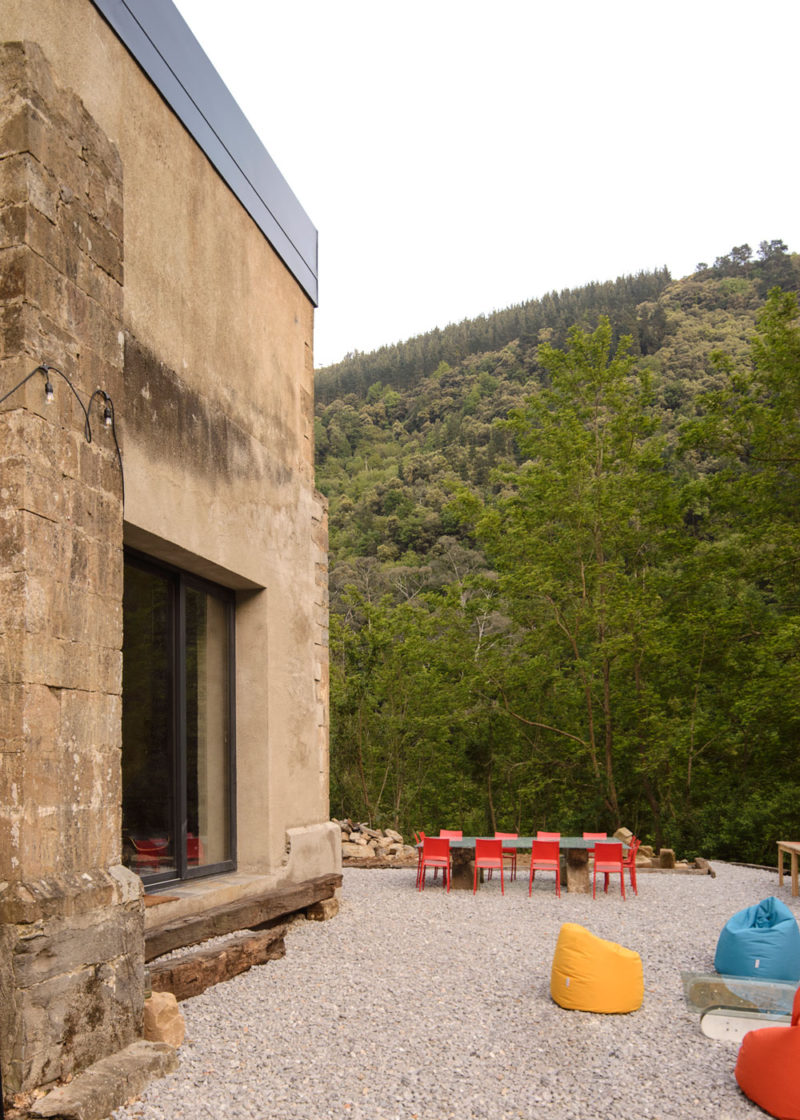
[[590, 974]]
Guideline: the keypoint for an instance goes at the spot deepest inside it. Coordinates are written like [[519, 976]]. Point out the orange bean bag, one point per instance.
[[590, 974], [767, 1066]]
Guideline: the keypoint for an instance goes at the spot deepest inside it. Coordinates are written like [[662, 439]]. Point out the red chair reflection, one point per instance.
[[150, 852], [194, 850]]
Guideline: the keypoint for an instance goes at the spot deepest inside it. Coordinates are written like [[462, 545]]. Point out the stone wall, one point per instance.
[[71, 919]]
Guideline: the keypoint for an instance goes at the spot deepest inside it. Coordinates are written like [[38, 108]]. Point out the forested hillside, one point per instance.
[[564, 564]]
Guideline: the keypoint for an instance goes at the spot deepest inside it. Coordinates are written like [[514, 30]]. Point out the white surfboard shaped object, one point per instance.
[[731, 1024]]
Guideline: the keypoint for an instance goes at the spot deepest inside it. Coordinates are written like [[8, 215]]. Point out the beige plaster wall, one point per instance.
[[216, 419]]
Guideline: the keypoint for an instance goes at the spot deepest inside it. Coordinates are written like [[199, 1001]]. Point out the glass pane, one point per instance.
[[207, 730], [148, 763]]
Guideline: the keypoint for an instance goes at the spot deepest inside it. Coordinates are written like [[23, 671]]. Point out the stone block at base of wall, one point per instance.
[[109, 1083], [72, 954], [323, 911]]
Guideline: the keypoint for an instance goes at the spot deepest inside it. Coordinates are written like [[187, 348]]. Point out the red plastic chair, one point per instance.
[[545, 856], [548, 835], [435, 854], [418, 839], [608, 861], [594, 836], [629, 861], [489, 857], [510, 852], [451, 834]]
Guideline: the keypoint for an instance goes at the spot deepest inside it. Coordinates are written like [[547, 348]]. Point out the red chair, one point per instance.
[[629, 861], [594, 836], [510, 852], [451, 834], [548, 835], [435, 854], [418, 839], [489, 857], [608, 861], [545, 856]]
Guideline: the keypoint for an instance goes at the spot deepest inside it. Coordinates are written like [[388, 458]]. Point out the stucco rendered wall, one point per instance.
[[215, 420]]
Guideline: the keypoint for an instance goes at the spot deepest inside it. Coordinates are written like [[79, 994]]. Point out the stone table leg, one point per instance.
[[461, 874], [577, 870]]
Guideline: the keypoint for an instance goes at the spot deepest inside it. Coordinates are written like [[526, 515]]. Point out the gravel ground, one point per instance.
[[427, 1006]]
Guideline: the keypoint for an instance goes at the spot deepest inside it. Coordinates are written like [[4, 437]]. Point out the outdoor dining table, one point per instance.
[[576, 849]]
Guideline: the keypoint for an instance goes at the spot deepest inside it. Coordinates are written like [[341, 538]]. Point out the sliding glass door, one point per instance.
[[177, 723]]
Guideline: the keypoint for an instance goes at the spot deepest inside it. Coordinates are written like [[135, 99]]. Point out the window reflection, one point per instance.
[[176, 723], [207, 706]]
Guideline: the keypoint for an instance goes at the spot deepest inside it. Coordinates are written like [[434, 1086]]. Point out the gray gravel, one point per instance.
[[426, 1006]]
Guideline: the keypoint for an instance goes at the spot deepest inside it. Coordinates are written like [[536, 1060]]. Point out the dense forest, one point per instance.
[[564, 564]]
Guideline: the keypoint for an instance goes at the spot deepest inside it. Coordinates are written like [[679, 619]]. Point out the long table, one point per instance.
[[576, 863]]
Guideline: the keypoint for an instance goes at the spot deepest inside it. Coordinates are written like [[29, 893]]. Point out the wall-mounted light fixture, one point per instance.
[[100, 394]]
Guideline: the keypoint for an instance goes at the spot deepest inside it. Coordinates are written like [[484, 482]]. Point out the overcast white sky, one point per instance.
[[459, 156]]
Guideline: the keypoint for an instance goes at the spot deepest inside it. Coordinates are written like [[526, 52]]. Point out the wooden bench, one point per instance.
[[792, 849]]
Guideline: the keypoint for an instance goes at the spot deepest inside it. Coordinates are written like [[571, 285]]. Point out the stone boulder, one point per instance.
[[163, 1021]]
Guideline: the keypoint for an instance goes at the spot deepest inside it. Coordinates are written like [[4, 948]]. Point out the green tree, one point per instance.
[[743, 582], [575, 536]]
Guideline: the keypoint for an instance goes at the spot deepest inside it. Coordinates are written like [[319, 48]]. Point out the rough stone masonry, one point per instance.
[[71, 918]]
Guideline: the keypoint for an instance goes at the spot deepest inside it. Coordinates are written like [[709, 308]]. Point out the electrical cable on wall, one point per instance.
[[100, 394]]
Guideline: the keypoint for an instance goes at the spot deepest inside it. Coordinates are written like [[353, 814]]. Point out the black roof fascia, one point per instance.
[[165, 48]]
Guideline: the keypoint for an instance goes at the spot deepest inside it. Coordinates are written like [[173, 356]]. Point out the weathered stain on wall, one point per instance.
[[169, 417]]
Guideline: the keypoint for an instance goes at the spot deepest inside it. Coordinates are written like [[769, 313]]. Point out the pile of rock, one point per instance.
[[647, 859], [374, 847], [646, 856]]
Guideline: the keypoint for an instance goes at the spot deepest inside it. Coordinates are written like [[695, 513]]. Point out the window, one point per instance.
[[177, 723]]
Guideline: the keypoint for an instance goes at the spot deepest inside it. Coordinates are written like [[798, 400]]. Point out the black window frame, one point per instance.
[[179, 580]]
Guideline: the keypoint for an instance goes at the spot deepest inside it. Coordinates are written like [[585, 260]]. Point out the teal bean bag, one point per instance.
[[762, 941]]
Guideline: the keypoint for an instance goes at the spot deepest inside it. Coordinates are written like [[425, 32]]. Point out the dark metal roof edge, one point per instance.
[[165, 48]]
